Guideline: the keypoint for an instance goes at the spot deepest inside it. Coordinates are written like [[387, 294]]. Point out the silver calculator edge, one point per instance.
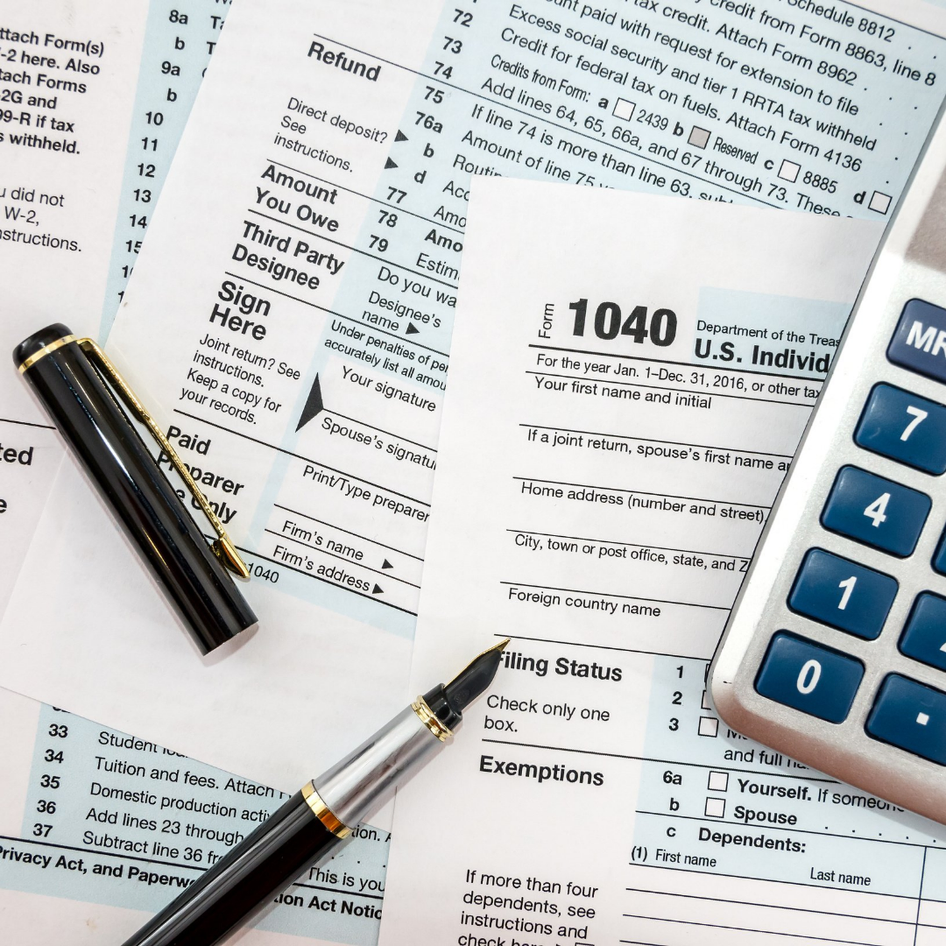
[[911, 262]]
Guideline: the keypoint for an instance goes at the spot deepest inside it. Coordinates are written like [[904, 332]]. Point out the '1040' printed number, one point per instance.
[[659, 326]]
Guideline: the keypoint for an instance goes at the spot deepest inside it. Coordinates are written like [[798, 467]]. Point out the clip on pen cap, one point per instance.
[[77, 385]]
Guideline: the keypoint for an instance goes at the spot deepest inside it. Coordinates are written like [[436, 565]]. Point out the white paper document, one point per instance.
[[630, 378], [93, 97], [290, 314], [336, 147], [99, 830]]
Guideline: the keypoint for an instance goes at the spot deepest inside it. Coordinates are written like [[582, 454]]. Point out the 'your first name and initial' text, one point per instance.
[[323, 54], [734, 353]]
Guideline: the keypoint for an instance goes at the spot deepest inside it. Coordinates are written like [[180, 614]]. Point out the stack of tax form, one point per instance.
[[631, 374]]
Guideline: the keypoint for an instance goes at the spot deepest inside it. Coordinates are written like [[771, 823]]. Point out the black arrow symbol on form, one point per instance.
[[313, 404]]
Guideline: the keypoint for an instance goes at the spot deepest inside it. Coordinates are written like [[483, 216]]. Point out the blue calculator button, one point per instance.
[[809, 677], [939, 559], [904, 427], [911, 716], [875, 511], [919, 342], [843, 594], [924, 637]]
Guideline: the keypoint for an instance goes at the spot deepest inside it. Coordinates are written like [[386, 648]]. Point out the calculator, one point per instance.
[[835, 651]]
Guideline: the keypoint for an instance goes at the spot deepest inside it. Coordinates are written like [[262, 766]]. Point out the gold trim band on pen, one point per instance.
[[46, 350], [427, 716], [323, 812]]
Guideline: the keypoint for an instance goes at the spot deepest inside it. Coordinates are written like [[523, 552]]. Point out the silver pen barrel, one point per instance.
[[361, 783]]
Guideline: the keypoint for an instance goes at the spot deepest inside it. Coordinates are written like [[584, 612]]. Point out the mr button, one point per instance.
[[919, 343]]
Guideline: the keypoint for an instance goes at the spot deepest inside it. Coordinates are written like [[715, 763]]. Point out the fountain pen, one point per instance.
[[308, 827]]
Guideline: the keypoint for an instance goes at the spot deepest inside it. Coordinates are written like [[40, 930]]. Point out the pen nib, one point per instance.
[[470, 682]]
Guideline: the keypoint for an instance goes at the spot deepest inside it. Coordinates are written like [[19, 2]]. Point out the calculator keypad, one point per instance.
[[875, 511], [848, 596], [912, 716], [843, 594], [919, 342], [939, 557], [904, 427], [809, 677], [924, 636]]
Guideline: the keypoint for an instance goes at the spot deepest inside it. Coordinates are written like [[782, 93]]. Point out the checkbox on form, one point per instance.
[[709, 726], [718, 782], [715, 807], [623, 109], [789, 171], [699, 137], [880, 202]]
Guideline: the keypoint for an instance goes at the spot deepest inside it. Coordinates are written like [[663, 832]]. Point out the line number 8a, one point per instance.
[[808, 677]]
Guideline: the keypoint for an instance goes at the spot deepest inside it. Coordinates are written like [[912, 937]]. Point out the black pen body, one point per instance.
[[145, 503], [301, 833], [306, 829], [245, 880]]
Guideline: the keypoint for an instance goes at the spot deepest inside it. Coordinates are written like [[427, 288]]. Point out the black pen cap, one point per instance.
[[86, 411]]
